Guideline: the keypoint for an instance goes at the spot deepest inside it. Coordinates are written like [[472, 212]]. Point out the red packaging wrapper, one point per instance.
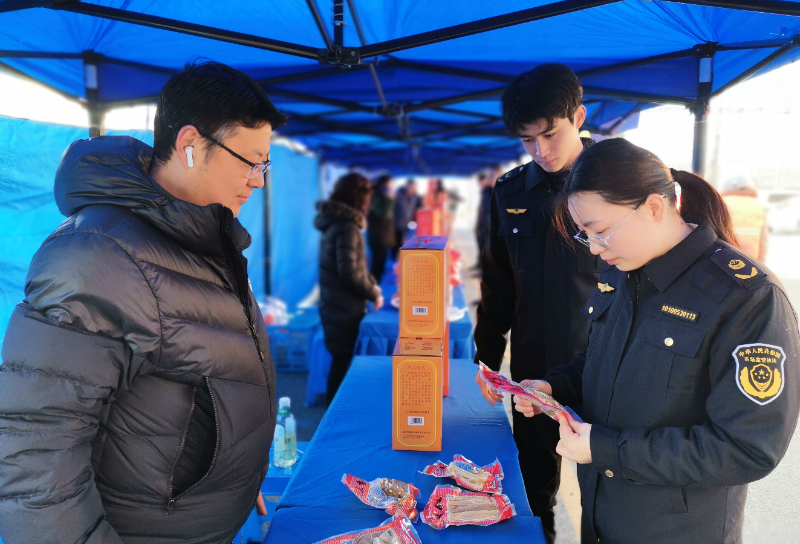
[[397, 530], [545, 402], [450, 505], [468, 474], [391, 495]]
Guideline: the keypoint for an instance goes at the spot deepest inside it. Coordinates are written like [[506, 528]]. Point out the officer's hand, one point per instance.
[[574, 443], [488, 393], [379, 302], [525, 406], [261, 506]]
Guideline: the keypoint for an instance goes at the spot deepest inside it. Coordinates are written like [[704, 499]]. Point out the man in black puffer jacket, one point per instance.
[[345, 283], [137, 392]]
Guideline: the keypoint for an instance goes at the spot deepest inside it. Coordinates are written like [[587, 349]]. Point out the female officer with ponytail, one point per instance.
[[689, 382]]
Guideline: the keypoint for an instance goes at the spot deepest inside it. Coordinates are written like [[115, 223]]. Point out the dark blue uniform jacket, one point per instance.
[[690, 381]]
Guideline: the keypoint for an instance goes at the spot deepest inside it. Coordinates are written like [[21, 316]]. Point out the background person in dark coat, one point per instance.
[[344, 281], [380, 224], [482, 225], [406, 204], [137, 392]]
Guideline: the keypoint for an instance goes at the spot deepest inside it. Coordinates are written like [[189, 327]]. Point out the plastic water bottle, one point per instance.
[[285, 440]]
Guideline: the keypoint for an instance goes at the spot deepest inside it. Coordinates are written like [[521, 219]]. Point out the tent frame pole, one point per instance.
[[91, 77], [705, 82], [482, 25]]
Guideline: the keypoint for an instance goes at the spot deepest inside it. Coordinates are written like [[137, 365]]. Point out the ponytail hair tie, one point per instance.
[[677, 189]]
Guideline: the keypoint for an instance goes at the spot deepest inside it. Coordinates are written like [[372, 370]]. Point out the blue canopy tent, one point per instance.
[[407, 85]]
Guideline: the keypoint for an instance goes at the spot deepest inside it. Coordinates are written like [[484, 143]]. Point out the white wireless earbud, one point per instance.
[[189, 160]]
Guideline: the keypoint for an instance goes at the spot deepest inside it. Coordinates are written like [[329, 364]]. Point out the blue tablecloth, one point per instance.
[[378, 332], [307, 525], [355, 437]]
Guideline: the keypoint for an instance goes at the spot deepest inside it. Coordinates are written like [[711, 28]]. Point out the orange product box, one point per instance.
[[429, 222], [424, 287], [416, 401], [430, 347]]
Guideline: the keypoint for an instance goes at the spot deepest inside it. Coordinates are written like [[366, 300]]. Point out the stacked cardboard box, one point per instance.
[[420, 364]]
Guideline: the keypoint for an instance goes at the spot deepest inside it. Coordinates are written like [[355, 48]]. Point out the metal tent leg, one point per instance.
[[700, 130]]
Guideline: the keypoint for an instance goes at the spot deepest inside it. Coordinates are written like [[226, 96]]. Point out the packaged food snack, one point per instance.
[[450, 505], [468, 474], [545, 402], [391, 495], [397, 530]]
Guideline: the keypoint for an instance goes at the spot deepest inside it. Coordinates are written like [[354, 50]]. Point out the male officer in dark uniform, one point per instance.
[[533, 283]]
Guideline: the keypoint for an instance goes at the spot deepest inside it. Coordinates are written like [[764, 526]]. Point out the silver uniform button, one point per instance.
[[609, 474], [515, 231], [668, 341], [591, 309], [520, 168]]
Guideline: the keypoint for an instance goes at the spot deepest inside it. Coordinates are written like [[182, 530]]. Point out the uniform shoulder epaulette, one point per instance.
[[737, 266], [512, 173]]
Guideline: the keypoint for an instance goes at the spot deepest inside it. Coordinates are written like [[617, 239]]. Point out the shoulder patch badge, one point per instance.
[[736, 265], [510, 174], [680, 313], [759, 371]]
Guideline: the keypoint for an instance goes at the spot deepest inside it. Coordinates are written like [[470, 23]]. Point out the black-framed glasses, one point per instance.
[[256, 168]]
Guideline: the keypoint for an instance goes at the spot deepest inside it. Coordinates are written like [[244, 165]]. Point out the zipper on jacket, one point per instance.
[[240, 284], [171, 500]]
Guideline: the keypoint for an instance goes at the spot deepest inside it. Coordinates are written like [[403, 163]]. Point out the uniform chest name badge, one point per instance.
[[516, 211], [680, 313], [759, 371], [605, 288]]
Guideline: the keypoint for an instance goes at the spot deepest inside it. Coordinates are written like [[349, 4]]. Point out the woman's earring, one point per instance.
[[189, 160]]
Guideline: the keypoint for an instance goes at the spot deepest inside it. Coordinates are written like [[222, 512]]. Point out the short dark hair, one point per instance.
[[353, 190], [214, 98], [549, 92]]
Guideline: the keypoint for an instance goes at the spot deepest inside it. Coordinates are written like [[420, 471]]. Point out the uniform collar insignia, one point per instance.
[[605, 288], [516, 211]]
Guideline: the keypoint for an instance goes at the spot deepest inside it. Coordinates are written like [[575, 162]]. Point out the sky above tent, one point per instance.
[[433, 108]]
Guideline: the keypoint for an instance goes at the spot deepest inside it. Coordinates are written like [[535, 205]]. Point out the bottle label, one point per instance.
[[280, 440]]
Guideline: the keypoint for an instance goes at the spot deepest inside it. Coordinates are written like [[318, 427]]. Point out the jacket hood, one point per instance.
[[331, 211], [113, 170]]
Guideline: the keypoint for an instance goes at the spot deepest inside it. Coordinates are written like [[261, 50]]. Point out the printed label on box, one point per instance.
[[421, 296], [417, 407]]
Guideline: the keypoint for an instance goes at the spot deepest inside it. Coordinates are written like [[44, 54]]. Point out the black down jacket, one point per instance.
[[344, 280], [136, 387]]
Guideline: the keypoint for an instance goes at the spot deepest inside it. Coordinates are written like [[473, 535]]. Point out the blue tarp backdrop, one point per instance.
[[29, 156]]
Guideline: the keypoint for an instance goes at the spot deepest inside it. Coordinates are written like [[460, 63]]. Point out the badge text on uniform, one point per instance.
[[759, 371], [516, 211], [680, 313]]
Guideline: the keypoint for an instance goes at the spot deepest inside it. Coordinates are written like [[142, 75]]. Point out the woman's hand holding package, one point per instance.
[[574, 443], [525, 406]]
